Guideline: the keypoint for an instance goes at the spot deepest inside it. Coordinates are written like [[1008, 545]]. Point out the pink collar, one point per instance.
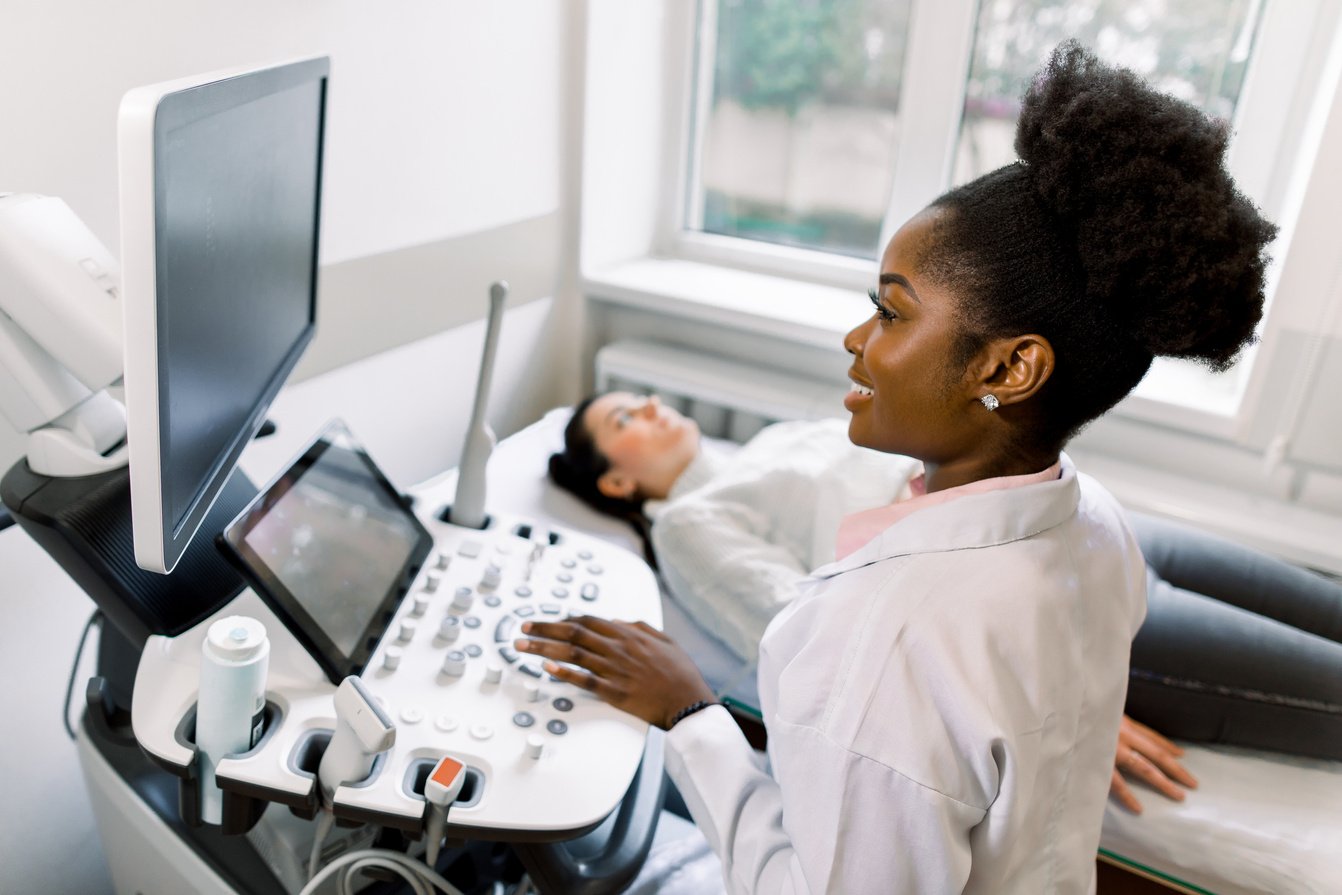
[[856, 529]]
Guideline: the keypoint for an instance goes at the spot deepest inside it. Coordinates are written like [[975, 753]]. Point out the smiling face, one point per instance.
[[647, 444], [907, 396]]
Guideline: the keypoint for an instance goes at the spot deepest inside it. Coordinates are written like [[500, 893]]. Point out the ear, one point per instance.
[[1013, 369], [617, 485]]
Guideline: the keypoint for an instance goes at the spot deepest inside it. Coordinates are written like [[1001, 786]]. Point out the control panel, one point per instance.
[[548, 758]]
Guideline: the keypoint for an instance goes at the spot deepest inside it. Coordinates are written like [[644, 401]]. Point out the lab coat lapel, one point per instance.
[[974, 520]]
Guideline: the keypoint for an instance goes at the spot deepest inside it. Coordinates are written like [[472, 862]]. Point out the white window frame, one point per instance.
[[1272, 122]]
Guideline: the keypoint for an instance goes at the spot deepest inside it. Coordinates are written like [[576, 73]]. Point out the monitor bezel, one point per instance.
[[336, 664], [146, 114]]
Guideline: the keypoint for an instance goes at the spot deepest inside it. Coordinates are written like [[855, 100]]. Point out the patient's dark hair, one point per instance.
[[1119, 236], [577, 468]]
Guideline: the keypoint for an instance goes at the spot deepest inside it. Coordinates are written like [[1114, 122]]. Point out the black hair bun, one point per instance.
[[1167, 244]]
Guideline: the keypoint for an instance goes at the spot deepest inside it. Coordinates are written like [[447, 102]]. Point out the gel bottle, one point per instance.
[[231, 705]]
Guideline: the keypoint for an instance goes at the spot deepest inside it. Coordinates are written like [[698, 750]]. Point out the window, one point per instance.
[[1197, 50], [819, 126], [801, 129]]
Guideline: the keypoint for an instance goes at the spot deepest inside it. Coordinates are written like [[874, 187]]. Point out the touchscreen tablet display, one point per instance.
[[332, 548]]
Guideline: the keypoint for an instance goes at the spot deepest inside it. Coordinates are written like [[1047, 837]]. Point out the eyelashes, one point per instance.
[[881, 310]]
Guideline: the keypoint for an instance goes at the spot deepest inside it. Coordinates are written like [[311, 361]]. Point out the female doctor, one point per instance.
[[942, 703]]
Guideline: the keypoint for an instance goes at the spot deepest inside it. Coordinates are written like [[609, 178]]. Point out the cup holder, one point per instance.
[[308, 751], [240, 812]]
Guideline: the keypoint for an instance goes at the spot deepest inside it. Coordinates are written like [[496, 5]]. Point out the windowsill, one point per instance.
[[817, 315], [796, 311]]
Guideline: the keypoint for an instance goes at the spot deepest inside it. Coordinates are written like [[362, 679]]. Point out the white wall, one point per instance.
[[446, 118]]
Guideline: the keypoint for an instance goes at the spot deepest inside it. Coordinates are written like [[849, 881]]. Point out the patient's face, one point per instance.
[[647, 443]]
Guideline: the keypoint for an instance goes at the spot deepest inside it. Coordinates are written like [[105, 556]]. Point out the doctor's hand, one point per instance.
[[1151, 758], [631, 665]]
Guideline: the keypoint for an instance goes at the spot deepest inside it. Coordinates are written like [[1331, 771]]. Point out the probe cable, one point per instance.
[[421, 878], [94, 619]]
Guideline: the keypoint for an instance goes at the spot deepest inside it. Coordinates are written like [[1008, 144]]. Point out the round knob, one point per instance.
[[493, 575], [455, 663], [493, 673], [442, 562], [450, 628], [392, 658], [420, 604], [533, 691], [408, 627], [462, 599], [535, 746], [431, 582]]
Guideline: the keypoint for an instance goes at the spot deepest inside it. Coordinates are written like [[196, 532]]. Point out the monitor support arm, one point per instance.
[[60, 338]]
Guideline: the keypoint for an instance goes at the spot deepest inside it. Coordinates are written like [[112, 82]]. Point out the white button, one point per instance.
[[431, 581], [412, 715], [535, 746], [493, 674], [420, 605], [482, 731], [462, 599], [450, 628], [408, 627], [391, 658], [446, 723], [533, 691], [454, 664], [503, 547], [442, 562]]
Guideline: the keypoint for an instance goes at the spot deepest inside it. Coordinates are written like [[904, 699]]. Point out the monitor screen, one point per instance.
[[221, 202], [331, 547]]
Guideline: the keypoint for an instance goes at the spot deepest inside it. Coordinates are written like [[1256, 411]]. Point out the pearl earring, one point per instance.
[[990, 402]]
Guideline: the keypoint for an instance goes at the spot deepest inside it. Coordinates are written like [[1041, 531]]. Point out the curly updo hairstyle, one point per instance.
[[1119, 236]]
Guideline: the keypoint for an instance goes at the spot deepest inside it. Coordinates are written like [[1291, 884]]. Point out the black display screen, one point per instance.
[[331, 547], [237, 202]]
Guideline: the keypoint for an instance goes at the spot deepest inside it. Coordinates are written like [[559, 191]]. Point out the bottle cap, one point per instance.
[[236, 638]]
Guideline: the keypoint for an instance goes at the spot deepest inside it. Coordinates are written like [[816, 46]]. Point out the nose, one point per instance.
[[852, 343], [650, 406]]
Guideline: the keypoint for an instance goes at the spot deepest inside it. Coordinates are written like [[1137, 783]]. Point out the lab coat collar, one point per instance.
[[974, 520]]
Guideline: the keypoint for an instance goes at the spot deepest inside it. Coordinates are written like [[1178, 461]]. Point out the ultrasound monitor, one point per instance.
[[220, 180]]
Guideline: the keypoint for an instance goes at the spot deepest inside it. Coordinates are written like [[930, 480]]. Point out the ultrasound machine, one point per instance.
[[390, 616]]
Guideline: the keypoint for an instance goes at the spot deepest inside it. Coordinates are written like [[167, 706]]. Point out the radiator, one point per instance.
[[726, 397]]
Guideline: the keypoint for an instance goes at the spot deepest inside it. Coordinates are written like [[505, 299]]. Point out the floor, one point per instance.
[[48, 840]]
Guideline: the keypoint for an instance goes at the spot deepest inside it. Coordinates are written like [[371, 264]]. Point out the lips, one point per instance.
[[859, 384], [859, 393]]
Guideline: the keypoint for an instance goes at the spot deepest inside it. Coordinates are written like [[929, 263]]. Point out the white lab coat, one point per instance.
[[942, 707]]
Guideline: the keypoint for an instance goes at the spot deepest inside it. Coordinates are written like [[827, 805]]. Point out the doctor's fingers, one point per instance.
[[567, 652], [596, 635]]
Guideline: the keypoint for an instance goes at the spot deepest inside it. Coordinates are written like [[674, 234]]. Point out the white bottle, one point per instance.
[[231, 704]]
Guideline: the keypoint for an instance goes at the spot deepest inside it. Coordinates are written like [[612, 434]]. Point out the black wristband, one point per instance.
[[690, 710]]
